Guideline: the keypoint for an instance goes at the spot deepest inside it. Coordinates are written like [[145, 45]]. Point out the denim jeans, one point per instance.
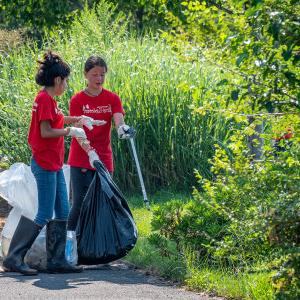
[[52, 194]]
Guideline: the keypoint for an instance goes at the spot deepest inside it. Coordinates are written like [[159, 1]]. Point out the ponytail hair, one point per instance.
[[50, 67]]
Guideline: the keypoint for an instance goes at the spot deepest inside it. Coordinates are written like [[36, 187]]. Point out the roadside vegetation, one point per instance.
[[213, 91]]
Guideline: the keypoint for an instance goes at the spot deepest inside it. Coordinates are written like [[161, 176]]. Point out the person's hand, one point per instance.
[[77, 132], [87, 122], [93, 156], [125, 132], [90, 122]]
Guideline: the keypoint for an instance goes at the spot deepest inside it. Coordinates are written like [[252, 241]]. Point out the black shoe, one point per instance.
[[23, 238], [55, 246]]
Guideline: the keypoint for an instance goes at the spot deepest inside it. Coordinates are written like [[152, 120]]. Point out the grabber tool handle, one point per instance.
[[139, 173]]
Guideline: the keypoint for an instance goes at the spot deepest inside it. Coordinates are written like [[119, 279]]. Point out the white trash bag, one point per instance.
[[18, 188], [36, 257]]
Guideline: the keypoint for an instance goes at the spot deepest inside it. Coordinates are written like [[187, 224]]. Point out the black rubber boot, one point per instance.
[[55, 246], [23, 238]]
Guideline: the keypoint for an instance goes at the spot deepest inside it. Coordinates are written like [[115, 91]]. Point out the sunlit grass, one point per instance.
[[157, 89], [183, 268], [225, 283], [142, 215]]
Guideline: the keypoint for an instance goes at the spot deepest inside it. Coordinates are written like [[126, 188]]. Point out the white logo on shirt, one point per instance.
[[98, 110]]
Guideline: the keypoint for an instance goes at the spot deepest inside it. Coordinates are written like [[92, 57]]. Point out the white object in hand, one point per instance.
[[99, 122], [93, 156], [87, 122], [77, 132], [90, 122]]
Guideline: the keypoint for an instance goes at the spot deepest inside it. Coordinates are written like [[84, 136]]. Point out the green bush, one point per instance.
[[36, 17], [287, 280], [246, 216], [192, 224]]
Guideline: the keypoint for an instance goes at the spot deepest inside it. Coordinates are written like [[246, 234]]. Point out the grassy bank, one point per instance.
[[163, 259]]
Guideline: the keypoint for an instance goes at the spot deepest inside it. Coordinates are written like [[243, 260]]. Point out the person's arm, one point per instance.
[[118, 119], [48, 132], [71, 119], [124, 131]]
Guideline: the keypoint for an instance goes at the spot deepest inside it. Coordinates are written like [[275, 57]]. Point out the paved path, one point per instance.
[[117, 281]]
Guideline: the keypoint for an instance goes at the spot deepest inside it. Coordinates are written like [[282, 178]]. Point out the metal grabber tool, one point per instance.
[[131, 140]]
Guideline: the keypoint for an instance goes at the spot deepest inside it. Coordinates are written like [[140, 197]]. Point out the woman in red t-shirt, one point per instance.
[[102, 105], [46, 138]]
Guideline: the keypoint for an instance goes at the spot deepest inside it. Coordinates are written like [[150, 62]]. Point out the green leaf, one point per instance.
[[286, 54], [290, 76], [296, 59], [256, 49], [269, 106], [222, 82], [274, 30], [241, 57]]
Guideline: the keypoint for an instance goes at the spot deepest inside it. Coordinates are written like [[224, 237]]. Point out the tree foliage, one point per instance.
[[246, 218], [250, 209], [149, 15], [40, 16], [257, 41], [37, 17]]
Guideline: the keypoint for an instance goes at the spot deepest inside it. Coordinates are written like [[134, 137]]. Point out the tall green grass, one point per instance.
[[157, 89]]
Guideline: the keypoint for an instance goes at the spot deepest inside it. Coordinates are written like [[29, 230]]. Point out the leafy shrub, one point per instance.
[[287, 280], [162, 244], [36, 17], [248, 214], [191, 224]]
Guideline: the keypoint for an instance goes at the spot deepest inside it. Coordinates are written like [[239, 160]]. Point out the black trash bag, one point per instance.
[[106, 230]]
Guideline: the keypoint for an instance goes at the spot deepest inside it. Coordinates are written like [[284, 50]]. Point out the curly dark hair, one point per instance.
[[50, 67]]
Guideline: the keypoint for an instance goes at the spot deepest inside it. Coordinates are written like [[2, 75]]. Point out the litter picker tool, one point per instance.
[[131, 140]]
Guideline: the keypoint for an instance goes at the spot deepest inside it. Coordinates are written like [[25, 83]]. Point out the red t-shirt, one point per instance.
[[101, 107], [47, 152]]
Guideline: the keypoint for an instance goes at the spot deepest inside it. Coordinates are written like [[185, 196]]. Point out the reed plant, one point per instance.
[[157, 89]]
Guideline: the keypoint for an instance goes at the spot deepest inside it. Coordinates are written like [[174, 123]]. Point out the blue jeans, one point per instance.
[[52, 194]]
